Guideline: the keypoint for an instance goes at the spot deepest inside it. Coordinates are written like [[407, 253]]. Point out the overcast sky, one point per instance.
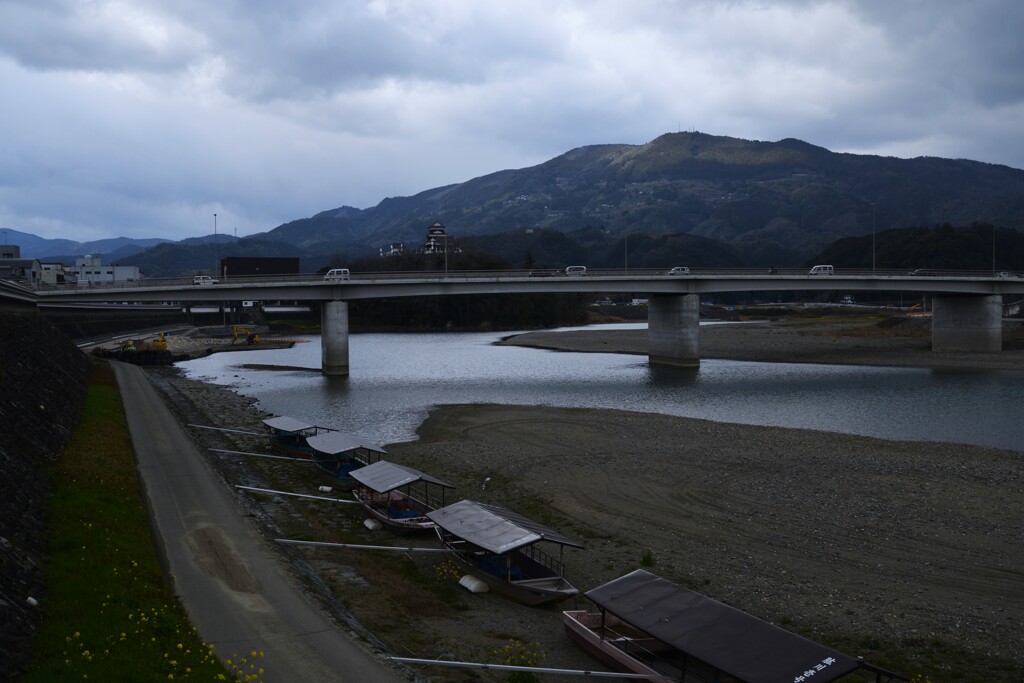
[[143, 118]]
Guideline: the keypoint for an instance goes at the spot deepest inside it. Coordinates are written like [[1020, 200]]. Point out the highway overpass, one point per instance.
[[967, 306]]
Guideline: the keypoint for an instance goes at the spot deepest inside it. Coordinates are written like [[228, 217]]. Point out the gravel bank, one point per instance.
[[900, 551], [898, 342], [836, 536]]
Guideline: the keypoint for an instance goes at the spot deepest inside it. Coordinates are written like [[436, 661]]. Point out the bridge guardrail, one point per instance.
[[659, 273]]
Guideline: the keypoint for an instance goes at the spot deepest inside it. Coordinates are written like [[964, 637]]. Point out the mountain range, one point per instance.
[[743, 201]]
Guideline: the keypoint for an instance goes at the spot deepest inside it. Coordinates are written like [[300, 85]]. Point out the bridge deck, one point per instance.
[[381, 285]]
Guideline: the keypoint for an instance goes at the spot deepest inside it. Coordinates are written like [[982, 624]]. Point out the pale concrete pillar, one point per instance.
[[967, 323], [334, 338], [673, 330]]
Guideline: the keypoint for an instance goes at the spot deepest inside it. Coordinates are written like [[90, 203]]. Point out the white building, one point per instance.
[[56, 274], [89, 271]]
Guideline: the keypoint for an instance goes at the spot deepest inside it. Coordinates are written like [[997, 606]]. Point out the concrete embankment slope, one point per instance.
[[43, 378]]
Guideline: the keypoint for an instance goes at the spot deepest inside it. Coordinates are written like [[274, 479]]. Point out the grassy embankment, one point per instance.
[[110, 613]]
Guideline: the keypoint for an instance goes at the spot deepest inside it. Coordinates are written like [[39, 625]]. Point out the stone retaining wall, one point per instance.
[[43, 378]]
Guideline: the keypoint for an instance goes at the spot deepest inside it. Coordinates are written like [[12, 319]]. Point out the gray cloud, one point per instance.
[[70, 35], [146, 117]]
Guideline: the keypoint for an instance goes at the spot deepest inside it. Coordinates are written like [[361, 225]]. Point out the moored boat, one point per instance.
[[649, 625], [399, 497], [611, 641], [339, 453], [500, 548], [291, 435]]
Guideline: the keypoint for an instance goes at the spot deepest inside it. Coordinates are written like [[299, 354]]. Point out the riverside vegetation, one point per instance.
[[109, 613]]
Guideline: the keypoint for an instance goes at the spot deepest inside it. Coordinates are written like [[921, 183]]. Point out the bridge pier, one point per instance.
[[334, 338], [967, 323], [673, 330]]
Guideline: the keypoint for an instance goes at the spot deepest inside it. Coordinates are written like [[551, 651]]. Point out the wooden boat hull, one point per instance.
[[297, 448], [499, 547], [340, 468], [397, 512], [526, 590], [583, 628]]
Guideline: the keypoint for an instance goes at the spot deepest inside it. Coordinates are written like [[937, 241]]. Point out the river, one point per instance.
[[396, 378]]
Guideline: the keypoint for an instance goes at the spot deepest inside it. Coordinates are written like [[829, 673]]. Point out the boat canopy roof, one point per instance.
[[284, 423], [493, 528], [383, 476], [732, 641], [332, 443]]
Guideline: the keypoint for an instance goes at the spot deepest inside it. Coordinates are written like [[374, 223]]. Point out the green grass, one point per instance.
[[109, 613]]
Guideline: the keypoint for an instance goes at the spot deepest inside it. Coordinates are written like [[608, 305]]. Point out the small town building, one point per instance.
[[89, 270], [57, 274], [24, 271]]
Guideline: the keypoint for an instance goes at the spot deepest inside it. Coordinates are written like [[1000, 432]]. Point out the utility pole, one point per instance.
[[625, 256], [872, 238], [216, 273], [216, 262], [993, 249]]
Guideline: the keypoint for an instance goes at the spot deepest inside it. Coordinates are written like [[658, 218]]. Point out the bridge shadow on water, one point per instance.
[[667, 376]]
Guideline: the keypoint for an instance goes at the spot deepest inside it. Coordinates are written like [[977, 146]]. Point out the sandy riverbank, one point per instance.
[[903, 543], [894, 341], [902, 550]]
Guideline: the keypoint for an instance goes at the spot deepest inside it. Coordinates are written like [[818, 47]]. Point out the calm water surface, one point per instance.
[[396, 378]]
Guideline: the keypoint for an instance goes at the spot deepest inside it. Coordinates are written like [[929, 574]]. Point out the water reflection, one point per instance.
[[396, 379], [661, 376]]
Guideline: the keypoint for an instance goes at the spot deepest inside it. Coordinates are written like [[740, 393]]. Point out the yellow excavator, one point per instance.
[[250, 337], [159, 344]]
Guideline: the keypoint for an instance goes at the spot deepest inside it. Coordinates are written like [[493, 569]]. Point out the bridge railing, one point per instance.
[[633, 273]]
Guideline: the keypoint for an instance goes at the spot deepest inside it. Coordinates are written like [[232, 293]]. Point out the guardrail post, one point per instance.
[[334, 338], [673, 330]]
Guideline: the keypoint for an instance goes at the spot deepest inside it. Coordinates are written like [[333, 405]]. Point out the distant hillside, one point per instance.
[[681, 199], [65, 251], [942, 247], [786, 195]]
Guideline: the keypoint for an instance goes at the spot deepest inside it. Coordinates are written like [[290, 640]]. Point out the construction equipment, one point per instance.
[[160, 344], [250, 336], [140, 352]]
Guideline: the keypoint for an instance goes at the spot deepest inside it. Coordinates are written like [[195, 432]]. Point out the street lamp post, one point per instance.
[[216, 273], [216, 263], [993, 249], [625, 255], [872, 238]]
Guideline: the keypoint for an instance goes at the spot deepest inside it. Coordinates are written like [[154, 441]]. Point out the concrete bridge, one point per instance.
[[966, 306]]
